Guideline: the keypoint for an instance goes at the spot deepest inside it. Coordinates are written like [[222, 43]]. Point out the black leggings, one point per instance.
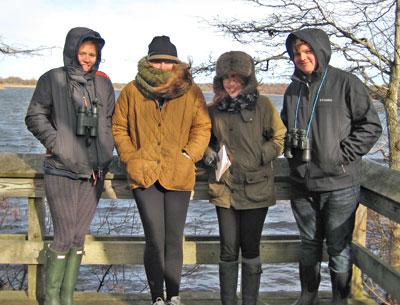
[[72, 205], [163, 214], [240, 229]]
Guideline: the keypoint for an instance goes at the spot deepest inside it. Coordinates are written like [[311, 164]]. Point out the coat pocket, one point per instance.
[[258, 186], [216, 190]]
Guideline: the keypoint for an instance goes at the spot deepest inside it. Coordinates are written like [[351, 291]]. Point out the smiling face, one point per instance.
[[87, 55], [233, 85], [304, 58]]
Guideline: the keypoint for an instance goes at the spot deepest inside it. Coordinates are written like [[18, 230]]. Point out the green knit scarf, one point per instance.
[[149, 78]]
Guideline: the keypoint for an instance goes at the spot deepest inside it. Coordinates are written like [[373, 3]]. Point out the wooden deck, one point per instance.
[[188, 298]]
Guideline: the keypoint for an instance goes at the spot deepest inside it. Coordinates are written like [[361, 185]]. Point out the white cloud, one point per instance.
[[127, 26]]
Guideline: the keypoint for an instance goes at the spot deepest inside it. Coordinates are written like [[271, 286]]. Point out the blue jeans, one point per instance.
[[326, 215]]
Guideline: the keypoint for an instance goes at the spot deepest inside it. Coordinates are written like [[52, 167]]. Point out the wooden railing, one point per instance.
[[21, 176]]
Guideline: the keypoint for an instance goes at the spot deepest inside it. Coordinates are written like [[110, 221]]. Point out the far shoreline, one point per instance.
[[120, 86]]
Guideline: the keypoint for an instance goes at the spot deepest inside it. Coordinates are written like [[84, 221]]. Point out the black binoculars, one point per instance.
[[297, 139], [87, 120]]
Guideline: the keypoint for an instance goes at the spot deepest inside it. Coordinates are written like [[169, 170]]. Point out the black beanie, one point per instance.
[[161, 48]]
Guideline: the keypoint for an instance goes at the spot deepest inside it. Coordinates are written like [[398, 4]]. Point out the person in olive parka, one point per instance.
[[70, 114], [249, 126], [331, 124]]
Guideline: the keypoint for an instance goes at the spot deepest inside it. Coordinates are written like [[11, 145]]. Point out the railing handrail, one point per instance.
[[21, 176]]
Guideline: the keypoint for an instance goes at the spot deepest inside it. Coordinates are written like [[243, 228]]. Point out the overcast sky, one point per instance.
[[126, 25]]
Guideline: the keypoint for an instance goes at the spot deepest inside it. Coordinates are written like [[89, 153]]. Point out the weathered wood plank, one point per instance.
[[188, 298], [359, 236], [16, 165], [384, 206], [113, 189], [380, 189], [131, 252], [36, 229], [382, 273]]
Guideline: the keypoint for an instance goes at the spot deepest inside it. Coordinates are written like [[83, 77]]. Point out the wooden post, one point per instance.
[[36, 215], [359, 235]]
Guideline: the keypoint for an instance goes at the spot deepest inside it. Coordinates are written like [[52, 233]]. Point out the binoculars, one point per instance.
[[87, 120], [297, 139]]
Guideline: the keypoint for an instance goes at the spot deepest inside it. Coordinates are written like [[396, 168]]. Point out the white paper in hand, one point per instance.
[[222, 164]]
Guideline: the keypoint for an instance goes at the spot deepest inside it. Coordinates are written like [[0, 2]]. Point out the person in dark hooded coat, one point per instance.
[[331, 124], [252, 132], [70, 114]]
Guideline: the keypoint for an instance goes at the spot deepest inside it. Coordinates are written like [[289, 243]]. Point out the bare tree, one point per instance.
[[7, 49], [366, 33], [362, 31]]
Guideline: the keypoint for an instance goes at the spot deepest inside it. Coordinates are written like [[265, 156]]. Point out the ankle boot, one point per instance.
[[309, 279], [55, 269], [340, 287], [251, 274], [74, 259], [228, 279]]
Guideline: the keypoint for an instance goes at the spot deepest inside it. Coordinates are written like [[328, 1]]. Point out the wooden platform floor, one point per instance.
[[188, 298]]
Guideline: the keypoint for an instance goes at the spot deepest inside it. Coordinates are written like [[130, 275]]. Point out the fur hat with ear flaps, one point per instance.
[[239, 63]]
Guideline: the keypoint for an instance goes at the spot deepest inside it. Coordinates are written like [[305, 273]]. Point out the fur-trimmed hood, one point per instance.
[[235, 62]]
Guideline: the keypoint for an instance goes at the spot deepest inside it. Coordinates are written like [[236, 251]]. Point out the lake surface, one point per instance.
[[120, 217]]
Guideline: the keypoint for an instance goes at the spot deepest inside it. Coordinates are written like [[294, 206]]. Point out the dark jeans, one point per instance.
[[240, 229], [163, 214], [326, 215]]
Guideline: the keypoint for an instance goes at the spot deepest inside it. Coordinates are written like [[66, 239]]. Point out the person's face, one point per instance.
[[162, 65], [233, 86], [305, 59], [87, 55]]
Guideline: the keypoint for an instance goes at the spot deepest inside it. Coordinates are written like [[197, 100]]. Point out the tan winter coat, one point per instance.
[[151, 141]]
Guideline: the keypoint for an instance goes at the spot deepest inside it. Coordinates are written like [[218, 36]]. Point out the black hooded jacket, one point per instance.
[[345, 124], [52, 112]]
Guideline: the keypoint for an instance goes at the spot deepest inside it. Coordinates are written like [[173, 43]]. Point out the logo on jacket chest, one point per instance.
[[325, 100]]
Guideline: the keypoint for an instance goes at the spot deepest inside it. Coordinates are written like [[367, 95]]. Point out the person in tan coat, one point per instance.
[[161, 129], [251, 130]]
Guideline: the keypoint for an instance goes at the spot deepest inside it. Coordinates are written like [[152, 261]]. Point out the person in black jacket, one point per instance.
[[70, 114], [331, 124]]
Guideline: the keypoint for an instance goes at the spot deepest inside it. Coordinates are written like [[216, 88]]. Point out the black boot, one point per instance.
[[228, 278], [309, 280], [251, 274], [340, 287]]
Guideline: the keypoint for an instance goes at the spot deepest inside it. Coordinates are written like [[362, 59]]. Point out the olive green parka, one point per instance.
[[253, 139]]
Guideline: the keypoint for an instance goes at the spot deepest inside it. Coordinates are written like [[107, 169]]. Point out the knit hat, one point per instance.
[[161, 48], [235, 62]]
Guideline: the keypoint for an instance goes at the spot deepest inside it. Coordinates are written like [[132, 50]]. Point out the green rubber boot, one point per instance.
[[74, 260], [55, 269]]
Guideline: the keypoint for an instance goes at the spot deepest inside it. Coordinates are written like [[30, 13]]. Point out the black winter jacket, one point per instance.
[[52, 113], [345, 124]]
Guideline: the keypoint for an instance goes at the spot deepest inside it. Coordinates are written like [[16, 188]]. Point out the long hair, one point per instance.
[[219, 91], [180, 77]]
